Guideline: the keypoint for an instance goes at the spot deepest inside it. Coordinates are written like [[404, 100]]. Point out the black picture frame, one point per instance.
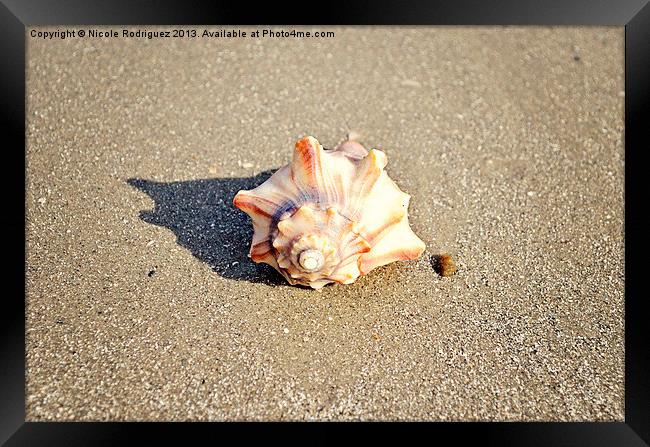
[[16, 16]]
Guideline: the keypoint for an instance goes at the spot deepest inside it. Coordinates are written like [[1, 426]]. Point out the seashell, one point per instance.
[[329, 216]]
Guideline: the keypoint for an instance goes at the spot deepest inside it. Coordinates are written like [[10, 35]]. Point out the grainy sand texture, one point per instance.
[[143, 305]]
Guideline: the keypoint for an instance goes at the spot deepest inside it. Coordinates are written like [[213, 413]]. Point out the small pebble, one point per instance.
[[444, 265]]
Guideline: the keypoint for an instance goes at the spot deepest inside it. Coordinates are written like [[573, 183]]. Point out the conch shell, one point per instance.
[[329, 216]]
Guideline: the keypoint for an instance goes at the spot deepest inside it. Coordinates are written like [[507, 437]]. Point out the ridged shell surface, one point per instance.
[[329, 215]]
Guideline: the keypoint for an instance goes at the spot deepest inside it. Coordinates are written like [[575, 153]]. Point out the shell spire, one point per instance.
[[329, 215]]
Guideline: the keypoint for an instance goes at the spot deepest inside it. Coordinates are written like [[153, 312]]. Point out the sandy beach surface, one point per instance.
[[143, 305]]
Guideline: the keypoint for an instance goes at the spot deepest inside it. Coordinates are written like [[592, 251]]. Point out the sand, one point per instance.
[[143, 305]]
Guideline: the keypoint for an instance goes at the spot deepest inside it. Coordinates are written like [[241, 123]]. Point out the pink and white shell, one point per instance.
[[329, 216]]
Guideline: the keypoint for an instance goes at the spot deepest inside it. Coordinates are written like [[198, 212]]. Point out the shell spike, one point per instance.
[[377, 159], [254, 205], [307, 162], [368, 174], [352, 149]]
